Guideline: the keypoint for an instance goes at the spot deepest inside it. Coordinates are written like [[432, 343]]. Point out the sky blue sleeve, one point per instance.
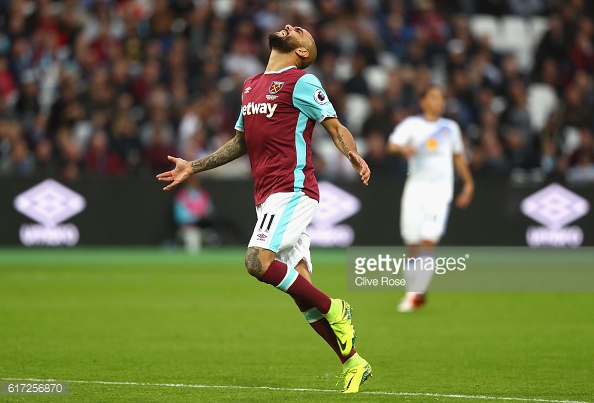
[[239, 123], [311, 99]]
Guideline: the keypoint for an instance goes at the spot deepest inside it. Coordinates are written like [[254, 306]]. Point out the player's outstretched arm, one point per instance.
[[344, 141], [230, 151], [465, 197], [405, 151]]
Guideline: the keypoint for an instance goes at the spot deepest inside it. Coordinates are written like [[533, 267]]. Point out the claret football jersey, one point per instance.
[[278, 113]]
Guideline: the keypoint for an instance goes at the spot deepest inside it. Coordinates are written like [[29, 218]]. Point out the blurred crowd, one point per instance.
[[111, 87]]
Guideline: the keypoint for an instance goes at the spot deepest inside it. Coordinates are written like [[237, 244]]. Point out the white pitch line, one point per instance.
[[184, 385]]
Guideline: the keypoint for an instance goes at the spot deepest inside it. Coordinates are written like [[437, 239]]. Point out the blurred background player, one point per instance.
[[279, 109], [193, 212], [433, 147]]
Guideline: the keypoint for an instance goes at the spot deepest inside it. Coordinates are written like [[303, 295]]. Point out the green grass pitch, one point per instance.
[[161, 326]]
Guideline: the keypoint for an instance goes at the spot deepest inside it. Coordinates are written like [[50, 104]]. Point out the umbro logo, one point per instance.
[[248, 89], [555, 207], [335, 206], [49, 203]]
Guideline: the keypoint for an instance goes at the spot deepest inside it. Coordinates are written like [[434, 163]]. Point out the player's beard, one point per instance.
[[282, 44]]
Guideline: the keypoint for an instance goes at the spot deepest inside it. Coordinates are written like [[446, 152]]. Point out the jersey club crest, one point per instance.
[[432, 144], [275, 87]]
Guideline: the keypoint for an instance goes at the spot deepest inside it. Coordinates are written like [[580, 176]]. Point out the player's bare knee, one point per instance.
[[303, 270], [255, 265]]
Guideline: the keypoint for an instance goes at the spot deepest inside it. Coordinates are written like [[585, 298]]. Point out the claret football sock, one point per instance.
[[288, 280], [317, 321]]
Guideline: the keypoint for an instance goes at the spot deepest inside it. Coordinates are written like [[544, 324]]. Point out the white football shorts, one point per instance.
[[422, 218], [282, 220]]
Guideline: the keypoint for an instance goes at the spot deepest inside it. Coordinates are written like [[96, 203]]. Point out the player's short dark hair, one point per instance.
[[427, 90]]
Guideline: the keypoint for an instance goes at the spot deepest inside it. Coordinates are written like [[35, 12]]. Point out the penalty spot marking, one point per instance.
[[185, 385]]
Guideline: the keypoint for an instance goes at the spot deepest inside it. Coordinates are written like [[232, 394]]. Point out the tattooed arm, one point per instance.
[[230, 151], [344, 141]]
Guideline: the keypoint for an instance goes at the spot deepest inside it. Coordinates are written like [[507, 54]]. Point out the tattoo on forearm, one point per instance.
[[252, 262], [343, 145], [232, 150]]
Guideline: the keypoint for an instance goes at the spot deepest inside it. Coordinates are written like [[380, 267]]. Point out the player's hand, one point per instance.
[[360, 166], [407, 151], [465, 197], [181, 172]]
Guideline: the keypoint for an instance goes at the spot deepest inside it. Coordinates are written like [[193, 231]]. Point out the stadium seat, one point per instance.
[[538, 27], [362, 146], [376, 78], [388, 60], [498, 105], [223, 8], [514, 34], [484, 26], [357, 110], [516, 38], [571, 139], [336, 164], [542, 100], [344, 69]]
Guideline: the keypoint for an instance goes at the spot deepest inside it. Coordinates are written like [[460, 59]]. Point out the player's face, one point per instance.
[[284, 41], [300, 34], [291, 38], [434, 102]]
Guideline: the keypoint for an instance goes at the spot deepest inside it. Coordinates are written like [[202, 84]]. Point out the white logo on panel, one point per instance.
[[554, 207], [335, 206], [49, 203]]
